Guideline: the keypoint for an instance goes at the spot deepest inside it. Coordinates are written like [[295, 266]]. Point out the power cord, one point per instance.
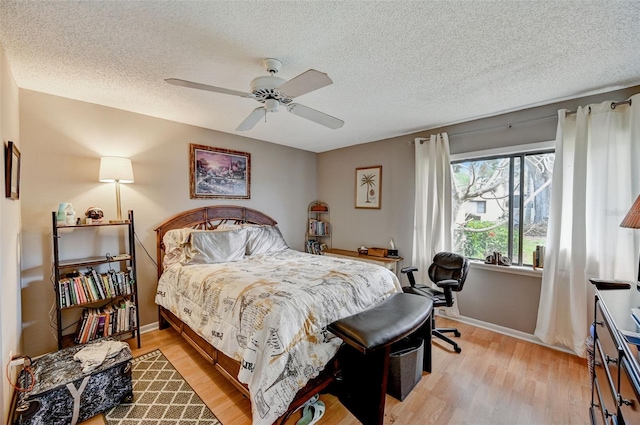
[[145, 250], [26, 366]]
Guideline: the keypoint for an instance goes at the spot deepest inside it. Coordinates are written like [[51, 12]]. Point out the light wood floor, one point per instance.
[[495, 380]]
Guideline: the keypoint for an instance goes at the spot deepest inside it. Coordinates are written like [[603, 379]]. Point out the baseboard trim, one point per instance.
[[468, 320], [149, 328], [507, 331]]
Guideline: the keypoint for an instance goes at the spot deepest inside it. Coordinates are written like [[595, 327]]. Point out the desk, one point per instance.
[[389, 263]]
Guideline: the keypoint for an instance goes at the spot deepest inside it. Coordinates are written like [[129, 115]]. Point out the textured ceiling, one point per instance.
[[398, 67]]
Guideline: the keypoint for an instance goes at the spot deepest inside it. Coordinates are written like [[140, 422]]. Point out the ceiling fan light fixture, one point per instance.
[[271, 105]]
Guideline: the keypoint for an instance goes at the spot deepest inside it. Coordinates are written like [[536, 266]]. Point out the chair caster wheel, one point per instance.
[[456, 333], [458, 349]]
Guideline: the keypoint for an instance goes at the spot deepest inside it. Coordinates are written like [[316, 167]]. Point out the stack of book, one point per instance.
[[538, 257], [92, 286], [315, 247], [318, 227], [98, 323]]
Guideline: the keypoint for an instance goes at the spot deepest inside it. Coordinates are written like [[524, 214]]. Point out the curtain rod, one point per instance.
[[511, 124], [495, 127], [613, 106]]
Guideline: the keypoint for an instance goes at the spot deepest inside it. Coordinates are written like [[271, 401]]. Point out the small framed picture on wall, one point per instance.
[[369, 187], [12, 171]]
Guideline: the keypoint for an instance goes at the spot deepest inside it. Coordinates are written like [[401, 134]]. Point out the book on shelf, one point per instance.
[[316, 247], [80, 298], [67, 294], [106, 283], [61, 292], [92, 286], [318, 227], [132, 315], [100, 325], [84, 281], [82, 324], [98, 283], [96, 323]]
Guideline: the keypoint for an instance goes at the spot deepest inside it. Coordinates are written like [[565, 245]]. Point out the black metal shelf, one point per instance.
[[89, 261], [127, 260]]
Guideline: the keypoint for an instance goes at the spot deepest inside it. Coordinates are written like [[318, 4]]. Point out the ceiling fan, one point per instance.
[[274, 92]]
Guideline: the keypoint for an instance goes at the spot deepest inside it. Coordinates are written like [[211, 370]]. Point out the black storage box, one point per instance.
[[405, 366], [64, 395]]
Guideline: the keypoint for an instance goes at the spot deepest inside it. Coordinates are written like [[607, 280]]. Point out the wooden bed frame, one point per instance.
[[209, 218]]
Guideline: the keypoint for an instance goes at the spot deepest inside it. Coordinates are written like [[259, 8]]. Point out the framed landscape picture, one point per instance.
[[369, 187], [219, 173]]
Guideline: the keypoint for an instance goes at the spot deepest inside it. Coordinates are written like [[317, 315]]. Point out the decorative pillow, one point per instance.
[[217, 246], [173, 241], [264, 239]]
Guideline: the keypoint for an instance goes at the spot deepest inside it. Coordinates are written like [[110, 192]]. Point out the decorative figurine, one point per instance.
[[94, 215]]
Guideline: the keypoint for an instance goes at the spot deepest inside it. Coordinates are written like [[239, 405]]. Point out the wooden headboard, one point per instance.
[[207, 218]]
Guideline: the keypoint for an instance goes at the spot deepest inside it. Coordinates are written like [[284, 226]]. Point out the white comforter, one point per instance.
[[269, 312]]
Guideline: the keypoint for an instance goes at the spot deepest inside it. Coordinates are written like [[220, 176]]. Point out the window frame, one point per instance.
[[520, 151], [484, 207]]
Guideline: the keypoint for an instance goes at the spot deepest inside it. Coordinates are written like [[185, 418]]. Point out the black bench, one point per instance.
[[369, 335]]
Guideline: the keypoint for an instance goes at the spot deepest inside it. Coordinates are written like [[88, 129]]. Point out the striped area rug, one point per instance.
[[161, 396]]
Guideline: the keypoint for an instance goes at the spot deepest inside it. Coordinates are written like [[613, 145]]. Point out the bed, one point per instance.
[[258, 312]]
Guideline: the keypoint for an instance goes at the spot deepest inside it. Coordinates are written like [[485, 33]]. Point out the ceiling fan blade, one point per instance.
[[199, 86], [304, 83], [252, 119], [315, 116]]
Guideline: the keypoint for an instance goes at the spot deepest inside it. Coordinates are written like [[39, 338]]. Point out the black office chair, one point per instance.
[[448, 271]]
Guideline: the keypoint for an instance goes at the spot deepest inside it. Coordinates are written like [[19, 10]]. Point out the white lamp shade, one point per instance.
[[114, 168]]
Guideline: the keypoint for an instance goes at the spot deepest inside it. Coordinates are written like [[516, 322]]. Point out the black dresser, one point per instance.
[[615, 381]]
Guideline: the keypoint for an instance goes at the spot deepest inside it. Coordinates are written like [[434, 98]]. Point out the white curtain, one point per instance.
[[596, 179], [432, 230]]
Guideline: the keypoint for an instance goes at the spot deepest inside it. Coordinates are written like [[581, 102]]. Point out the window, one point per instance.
[[493, 196]]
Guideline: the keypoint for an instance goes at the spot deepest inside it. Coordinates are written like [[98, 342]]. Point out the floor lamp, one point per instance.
[[632, 221], [114, 169]]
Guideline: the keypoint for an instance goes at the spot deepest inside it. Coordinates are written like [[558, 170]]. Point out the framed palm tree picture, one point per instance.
[[369, 187]]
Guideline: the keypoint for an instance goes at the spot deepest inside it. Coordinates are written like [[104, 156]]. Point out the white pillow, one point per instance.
[[217, 246], [264, 239]]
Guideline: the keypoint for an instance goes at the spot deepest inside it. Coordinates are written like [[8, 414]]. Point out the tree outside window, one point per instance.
[[514, 189]]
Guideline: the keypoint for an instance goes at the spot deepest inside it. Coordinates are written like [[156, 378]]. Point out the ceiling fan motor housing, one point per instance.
[[266, 87]]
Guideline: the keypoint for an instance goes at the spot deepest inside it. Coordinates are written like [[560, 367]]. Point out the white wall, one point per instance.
[[10, 322], [505, 299], [62, 141]]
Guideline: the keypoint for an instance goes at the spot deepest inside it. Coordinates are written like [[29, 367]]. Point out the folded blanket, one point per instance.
[[93, 355]]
